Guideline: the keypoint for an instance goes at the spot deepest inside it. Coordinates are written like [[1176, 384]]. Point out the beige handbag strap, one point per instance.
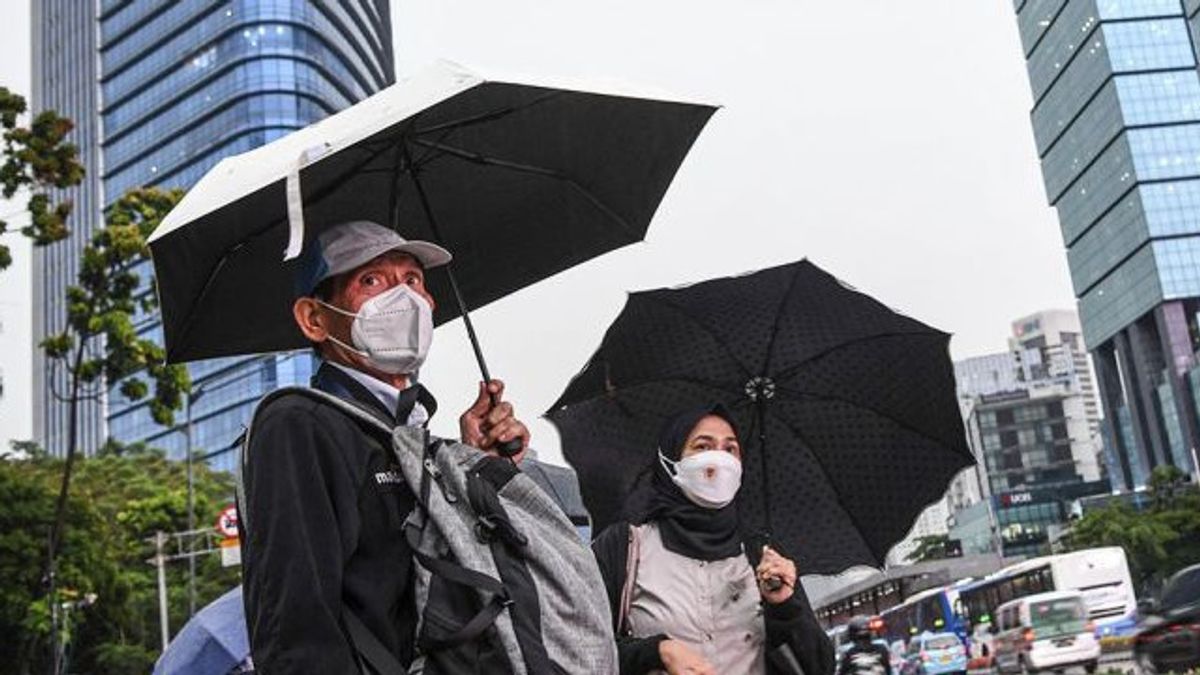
[[631, 567]]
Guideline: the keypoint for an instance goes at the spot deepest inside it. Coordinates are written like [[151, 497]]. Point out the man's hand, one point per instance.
[[490, 421], [778, 567], [678, 659]]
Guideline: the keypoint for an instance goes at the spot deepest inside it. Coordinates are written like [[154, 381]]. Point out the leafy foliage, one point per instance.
[[99, 346], [120, 498], [37, 158], [930, 547], [1159, 540], [102, 307]]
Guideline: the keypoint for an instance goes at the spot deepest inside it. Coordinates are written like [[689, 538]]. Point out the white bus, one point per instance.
[[1100, 574]]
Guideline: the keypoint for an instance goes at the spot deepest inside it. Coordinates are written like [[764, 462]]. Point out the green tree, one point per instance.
[[1159, 540], [930, 547], [119, 499], [99, 347], [36, 159]]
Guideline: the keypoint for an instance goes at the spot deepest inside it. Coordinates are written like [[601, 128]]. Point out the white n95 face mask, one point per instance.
[[392, 330], [710, 479]]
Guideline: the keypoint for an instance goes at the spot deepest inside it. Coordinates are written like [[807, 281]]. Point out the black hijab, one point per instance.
[[686, 528]]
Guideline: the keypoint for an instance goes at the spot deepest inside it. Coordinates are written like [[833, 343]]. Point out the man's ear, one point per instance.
[[310, 319]]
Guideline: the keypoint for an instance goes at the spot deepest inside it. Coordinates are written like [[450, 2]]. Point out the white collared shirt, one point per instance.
[[388, 395]]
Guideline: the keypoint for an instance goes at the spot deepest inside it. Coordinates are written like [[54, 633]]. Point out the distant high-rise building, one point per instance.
[[65, 79], [1116, 121], [178, 86], [1032, 422]]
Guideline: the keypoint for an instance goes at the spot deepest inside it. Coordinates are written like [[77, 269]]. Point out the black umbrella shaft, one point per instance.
[[512, 447], [760, 414], [437, 235]]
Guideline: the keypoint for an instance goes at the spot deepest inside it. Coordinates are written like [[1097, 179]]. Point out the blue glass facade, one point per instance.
[[1116, 122], [64, 79], [184, 83]]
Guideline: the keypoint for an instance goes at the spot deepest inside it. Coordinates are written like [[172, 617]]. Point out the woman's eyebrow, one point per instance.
[[707, 437]]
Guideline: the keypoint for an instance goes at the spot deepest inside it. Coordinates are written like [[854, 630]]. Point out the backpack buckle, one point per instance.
[[489, 526]]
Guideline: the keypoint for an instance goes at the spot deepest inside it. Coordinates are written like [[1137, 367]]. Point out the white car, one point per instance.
[[1047, 631]]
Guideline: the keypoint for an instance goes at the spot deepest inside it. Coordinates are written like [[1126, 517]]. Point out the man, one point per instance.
[[324, 499], [864, 657]]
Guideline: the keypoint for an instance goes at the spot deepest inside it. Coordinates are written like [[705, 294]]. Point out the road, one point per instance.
[[1121, 662]]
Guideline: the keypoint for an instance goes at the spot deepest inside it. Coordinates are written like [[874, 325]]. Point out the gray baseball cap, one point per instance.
[[346, 246]]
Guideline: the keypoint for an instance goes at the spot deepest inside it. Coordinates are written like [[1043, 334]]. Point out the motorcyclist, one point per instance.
[[864, 656]]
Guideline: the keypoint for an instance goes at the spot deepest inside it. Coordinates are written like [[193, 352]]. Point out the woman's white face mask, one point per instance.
[[392, 330], [710, 479]]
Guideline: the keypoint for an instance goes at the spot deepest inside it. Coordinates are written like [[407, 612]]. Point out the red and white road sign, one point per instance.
[[227, 522]]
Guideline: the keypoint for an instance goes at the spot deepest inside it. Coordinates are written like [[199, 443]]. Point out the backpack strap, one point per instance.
[[353, 410], [462, 576], [369, 647]]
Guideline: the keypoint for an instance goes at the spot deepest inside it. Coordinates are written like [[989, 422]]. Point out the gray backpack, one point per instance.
[[503, 582]]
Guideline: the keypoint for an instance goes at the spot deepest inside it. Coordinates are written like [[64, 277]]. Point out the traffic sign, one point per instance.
[[227, 522]]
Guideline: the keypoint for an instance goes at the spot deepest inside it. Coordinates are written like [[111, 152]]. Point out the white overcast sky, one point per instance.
[[887, 141]]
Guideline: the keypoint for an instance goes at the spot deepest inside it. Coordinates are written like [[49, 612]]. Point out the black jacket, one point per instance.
[[791, 623], [326, 507]]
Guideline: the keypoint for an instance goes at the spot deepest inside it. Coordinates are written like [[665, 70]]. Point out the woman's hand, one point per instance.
[[679, 659], [775, 566]]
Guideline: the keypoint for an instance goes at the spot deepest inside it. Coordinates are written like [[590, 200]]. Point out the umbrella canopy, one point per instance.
[[213, 642], [847, 410], [520, 181]]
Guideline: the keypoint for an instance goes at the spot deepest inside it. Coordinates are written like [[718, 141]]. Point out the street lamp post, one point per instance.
[[192, 396], [191, 501], [160, 561]]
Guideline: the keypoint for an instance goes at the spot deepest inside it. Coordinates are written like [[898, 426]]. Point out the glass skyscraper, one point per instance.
[[182, 84], [1116, 121], [65, 75]]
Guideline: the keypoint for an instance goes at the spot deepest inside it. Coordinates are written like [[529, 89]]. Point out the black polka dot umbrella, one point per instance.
[[847, 410]]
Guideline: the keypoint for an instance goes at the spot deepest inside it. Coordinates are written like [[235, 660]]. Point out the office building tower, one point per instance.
[[1116, 121], [65, 79], [178, 86]]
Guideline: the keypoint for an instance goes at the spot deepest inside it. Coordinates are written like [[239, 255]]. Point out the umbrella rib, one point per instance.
[[828, 480], [212, 275], [625, 387], [830, 397], [679, 310], [477, 158], [489, 116], [795, 367], [779, 319]]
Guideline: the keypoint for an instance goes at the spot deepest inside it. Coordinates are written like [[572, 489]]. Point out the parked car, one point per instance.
[[935, 654], [1168, 632], [1046, 631]]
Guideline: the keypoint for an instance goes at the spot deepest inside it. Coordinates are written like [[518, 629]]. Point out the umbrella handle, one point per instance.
[[509, 449]]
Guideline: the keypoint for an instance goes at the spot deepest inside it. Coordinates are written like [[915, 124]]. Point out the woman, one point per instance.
[[687, 596]]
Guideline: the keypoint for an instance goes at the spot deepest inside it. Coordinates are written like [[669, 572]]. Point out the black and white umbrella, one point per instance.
[[519, 180]]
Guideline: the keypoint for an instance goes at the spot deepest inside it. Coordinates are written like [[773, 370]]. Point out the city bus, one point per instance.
[[934, 610], [1100, 574]]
